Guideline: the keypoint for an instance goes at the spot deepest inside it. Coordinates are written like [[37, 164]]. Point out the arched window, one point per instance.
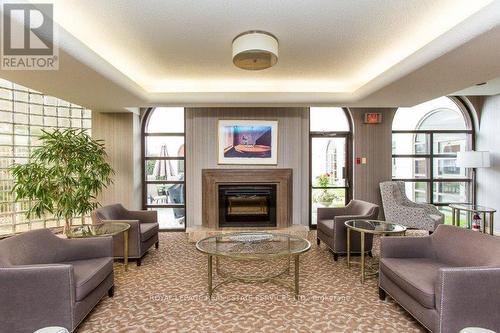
[[330, 151], [425, 141], [164, 171]]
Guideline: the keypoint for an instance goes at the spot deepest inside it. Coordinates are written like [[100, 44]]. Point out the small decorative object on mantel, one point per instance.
[[248, 142], [373, 118]]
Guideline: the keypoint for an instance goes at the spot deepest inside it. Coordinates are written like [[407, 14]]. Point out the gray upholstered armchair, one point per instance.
[[332, 231], [143, 232], [46, 280], [447, 281], [399, 209]]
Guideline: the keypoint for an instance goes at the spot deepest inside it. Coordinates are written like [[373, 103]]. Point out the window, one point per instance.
[[164, 166], [330, 150], [24, 113], [425, 141]]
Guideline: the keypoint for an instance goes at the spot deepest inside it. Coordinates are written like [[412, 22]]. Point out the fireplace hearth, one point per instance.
[[247, 205]]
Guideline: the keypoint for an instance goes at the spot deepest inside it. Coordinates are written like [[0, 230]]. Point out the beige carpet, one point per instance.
[[168, 294]]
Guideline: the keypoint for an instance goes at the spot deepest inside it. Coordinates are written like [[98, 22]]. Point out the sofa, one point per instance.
[[143, 232], [333, 232], [46, 280], [447, 281], [401, 210]]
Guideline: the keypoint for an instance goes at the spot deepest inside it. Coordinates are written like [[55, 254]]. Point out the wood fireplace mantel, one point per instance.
[[212, 178]]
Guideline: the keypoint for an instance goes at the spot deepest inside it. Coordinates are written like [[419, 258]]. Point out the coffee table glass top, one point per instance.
[[98, 230], [375, 226], [473, 208], [248, 245]]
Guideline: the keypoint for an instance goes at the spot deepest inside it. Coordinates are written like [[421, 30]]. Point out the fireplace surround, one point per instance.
[[215, 181]]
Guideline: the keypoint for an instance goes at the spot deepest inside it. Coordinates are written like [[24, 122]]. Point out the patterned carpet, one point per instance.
[[168, 293]]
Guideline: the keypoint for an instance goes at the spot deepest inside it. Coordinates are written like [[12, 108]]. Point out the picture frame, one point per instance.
[[248, 142]]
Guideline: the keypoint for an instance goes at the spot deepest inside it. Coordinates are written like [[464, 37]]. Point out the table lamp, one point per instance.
[[473, 160]]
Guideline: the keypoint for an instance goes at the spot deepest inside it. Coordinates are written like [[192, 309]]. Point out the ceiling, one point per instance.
[[492, 87], [125, 53]]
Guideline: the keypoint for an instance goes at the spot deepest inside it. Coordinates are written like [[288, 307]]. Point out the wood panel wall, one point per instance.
[[201, 152], [121, 135], [374, 142]]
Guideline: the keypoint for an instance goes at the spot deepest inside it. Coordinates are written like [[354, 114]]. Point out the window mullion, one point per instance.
[[430, 189]]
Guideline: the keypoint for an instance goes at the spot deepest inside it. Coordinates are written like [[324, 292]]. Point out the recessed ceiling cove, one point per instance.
[[343, 52], [325, 46]]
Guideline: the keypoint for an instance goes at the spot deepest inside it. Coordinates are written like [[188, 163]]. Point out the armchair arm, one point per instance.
[[405, 247], [428, 208], [36, 296], [143, 216], [86, 248], [468, 296], [341, 219], [330, 213], [340, 234]]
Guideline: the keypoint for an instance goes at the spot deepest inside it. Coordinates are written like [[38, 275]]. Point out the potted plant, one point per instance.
[[325, 197], [63, 176]]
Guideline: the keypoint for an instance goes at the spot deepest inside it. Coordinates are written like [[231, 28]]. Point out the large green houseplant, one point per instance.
[[63, 176]]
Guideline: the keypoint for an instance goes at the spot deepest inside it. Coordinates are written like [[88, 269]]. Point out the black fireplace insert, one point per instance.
[[247, 205]]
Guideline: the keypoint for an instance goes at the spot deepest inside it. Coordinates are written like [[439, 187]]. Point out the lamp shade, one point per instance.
[[255, 50], [473, 159]]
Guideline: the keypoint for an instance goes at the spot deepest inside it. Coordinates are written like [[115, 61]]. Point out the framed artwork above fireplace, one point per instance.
[[248, 142]]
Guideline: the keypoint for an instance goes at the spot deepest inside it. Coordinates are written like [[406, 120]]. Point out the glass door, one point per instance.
[[329, 172]]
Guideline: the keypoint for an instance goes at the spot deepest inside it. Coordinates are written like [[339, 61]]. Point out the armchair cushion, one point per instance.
[[88, 274], [148, 230], [417, 276]]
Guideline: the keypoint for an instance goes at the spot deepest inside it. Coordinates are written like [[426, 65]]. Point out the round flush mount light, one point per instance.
[[255, 50]]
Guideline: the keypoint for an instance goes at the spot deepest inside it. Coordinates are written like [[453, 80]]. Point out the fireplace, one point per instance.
[[247, 205], [280, 210]]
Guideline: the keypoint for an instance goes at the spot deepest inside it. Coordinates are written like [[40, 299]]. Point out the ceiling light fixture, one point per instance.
[[255, 50]]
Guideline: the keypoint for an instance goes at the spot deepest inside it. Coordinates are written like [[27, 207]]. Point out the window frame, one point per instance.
[[429, 157], [348, 160], [144, 159]]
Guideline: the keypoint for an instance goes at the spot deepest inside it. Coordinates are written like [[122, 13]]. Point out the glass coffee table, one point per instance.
[[107, 229], [260, 247], [371, 227]]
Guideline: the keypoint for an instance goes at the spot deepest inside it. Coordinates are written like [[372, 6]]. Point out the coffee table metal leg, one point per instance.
[[362, 257], [484, 223], [210, 276], [348, 247], [296, 277], [125, 250], [491, 223], [453, 216]]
